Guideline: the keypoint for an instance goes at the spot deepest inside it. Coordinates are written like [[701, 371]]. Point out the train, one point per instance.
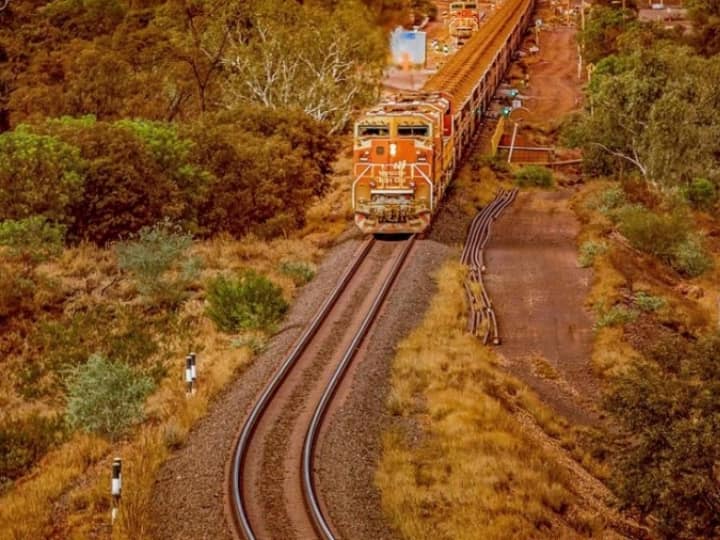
[[463, 21], [406, 148]]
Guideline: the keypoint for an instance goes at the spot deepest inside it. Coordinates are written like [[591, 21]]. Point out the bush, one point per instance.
[[125, 188], [32, 240], [122, 333], [157, 259], [611, 199], [39, 175], [172, 152], [690, 257], [666, 236], [496, 163], [668, 409], [702, 194], [24, 441], [589, 250], [652, 232], [615, 316], [106, 397], [300, 272], [249, 302], [647, 302], [534, 175]]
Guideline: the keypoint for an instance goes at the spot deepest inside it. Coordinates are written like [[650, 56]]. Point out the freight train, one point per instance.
[[406, 148]]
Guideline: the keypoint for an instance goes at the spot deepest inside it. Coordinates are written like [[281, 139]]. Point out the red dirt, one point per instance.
[[554, 89], [538, 291], [534, 279]]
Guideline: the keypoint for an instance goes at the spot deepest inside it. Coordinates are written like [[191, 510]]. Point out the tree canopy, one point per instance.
[[655, 110], [179, 59]]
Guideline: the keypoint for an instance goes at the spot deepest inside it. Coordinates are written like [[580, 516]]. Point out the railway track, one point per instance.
[[304, 511], [482, 318]]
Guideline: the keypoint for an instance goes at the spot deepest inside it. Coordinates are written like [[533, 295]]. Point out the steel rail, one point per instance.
[[240, 514], [311, 436], [473, 255]]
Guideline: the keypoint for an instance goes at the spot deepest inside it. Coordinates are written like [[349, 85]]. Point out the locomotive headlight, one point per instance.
[[393, 149]]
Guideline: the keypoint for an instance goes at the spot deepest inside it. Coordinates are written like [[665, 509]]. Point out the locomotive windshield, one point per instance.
[[373, 131], [413, 131]]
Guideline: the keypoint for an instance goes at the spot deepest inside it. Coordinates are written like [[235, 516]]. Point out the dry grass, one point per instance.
[[467, 469], [27, 511], [67, 494]]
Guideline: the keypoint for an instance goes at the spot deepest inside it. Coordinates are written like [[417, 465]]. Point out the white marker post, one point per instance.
[[193, 371], [188, 374], [116, 487]]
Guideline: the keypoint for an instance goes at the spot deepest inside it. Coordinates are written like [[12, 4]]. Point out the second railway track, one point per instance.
[[272, 488]]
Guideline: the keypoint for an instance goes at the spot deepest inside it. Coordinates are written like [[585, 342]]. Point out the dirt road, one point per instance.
[[539, 291], [554, 88], [534, 278]]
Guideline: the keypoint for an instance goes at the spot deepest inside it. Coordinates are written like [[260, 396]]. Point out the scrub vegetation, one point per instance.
[[649, 138], [153, 202]]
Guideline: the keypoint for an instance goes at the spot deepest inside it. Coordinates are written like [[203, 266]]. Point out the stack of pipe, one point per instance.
[[482, 319]]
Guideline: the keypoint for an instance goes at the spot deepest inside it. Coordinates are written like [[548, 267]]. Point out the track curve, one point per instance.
[[246, 473]]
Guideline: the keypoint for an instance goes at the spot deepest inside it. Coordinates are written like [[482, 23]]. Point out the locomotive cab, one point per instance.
[[395, 166], [464, 20]]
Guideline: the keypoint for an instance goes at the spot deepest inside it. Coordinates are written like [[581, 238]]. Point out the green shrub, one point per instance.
[[32, 240], [667, 410], [665, 235], [157, 259], [589, 250], [690, 257], [106, 397], [172, 153], [534, 175], [300, 272], [125, 187], [617, 315], [496, 163], [611, 198], [647, 302], [122, 333], [652, 232], [251, 301], [24, 441], [702, 194], [39, 175]]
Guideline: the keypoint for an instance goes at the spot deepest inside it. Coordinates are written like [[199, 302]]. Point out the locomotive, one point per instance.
[[407, 147], [464, 21]]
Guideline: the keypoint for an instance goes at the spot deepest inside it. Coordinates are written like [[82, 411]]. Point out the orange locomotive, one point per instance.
[[464, 21], [407, 147]]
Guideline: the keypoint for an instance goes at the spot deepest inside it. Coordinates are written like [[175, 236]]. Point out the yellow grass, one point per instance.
[[467, 469], [69, 490], [25, 512]]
